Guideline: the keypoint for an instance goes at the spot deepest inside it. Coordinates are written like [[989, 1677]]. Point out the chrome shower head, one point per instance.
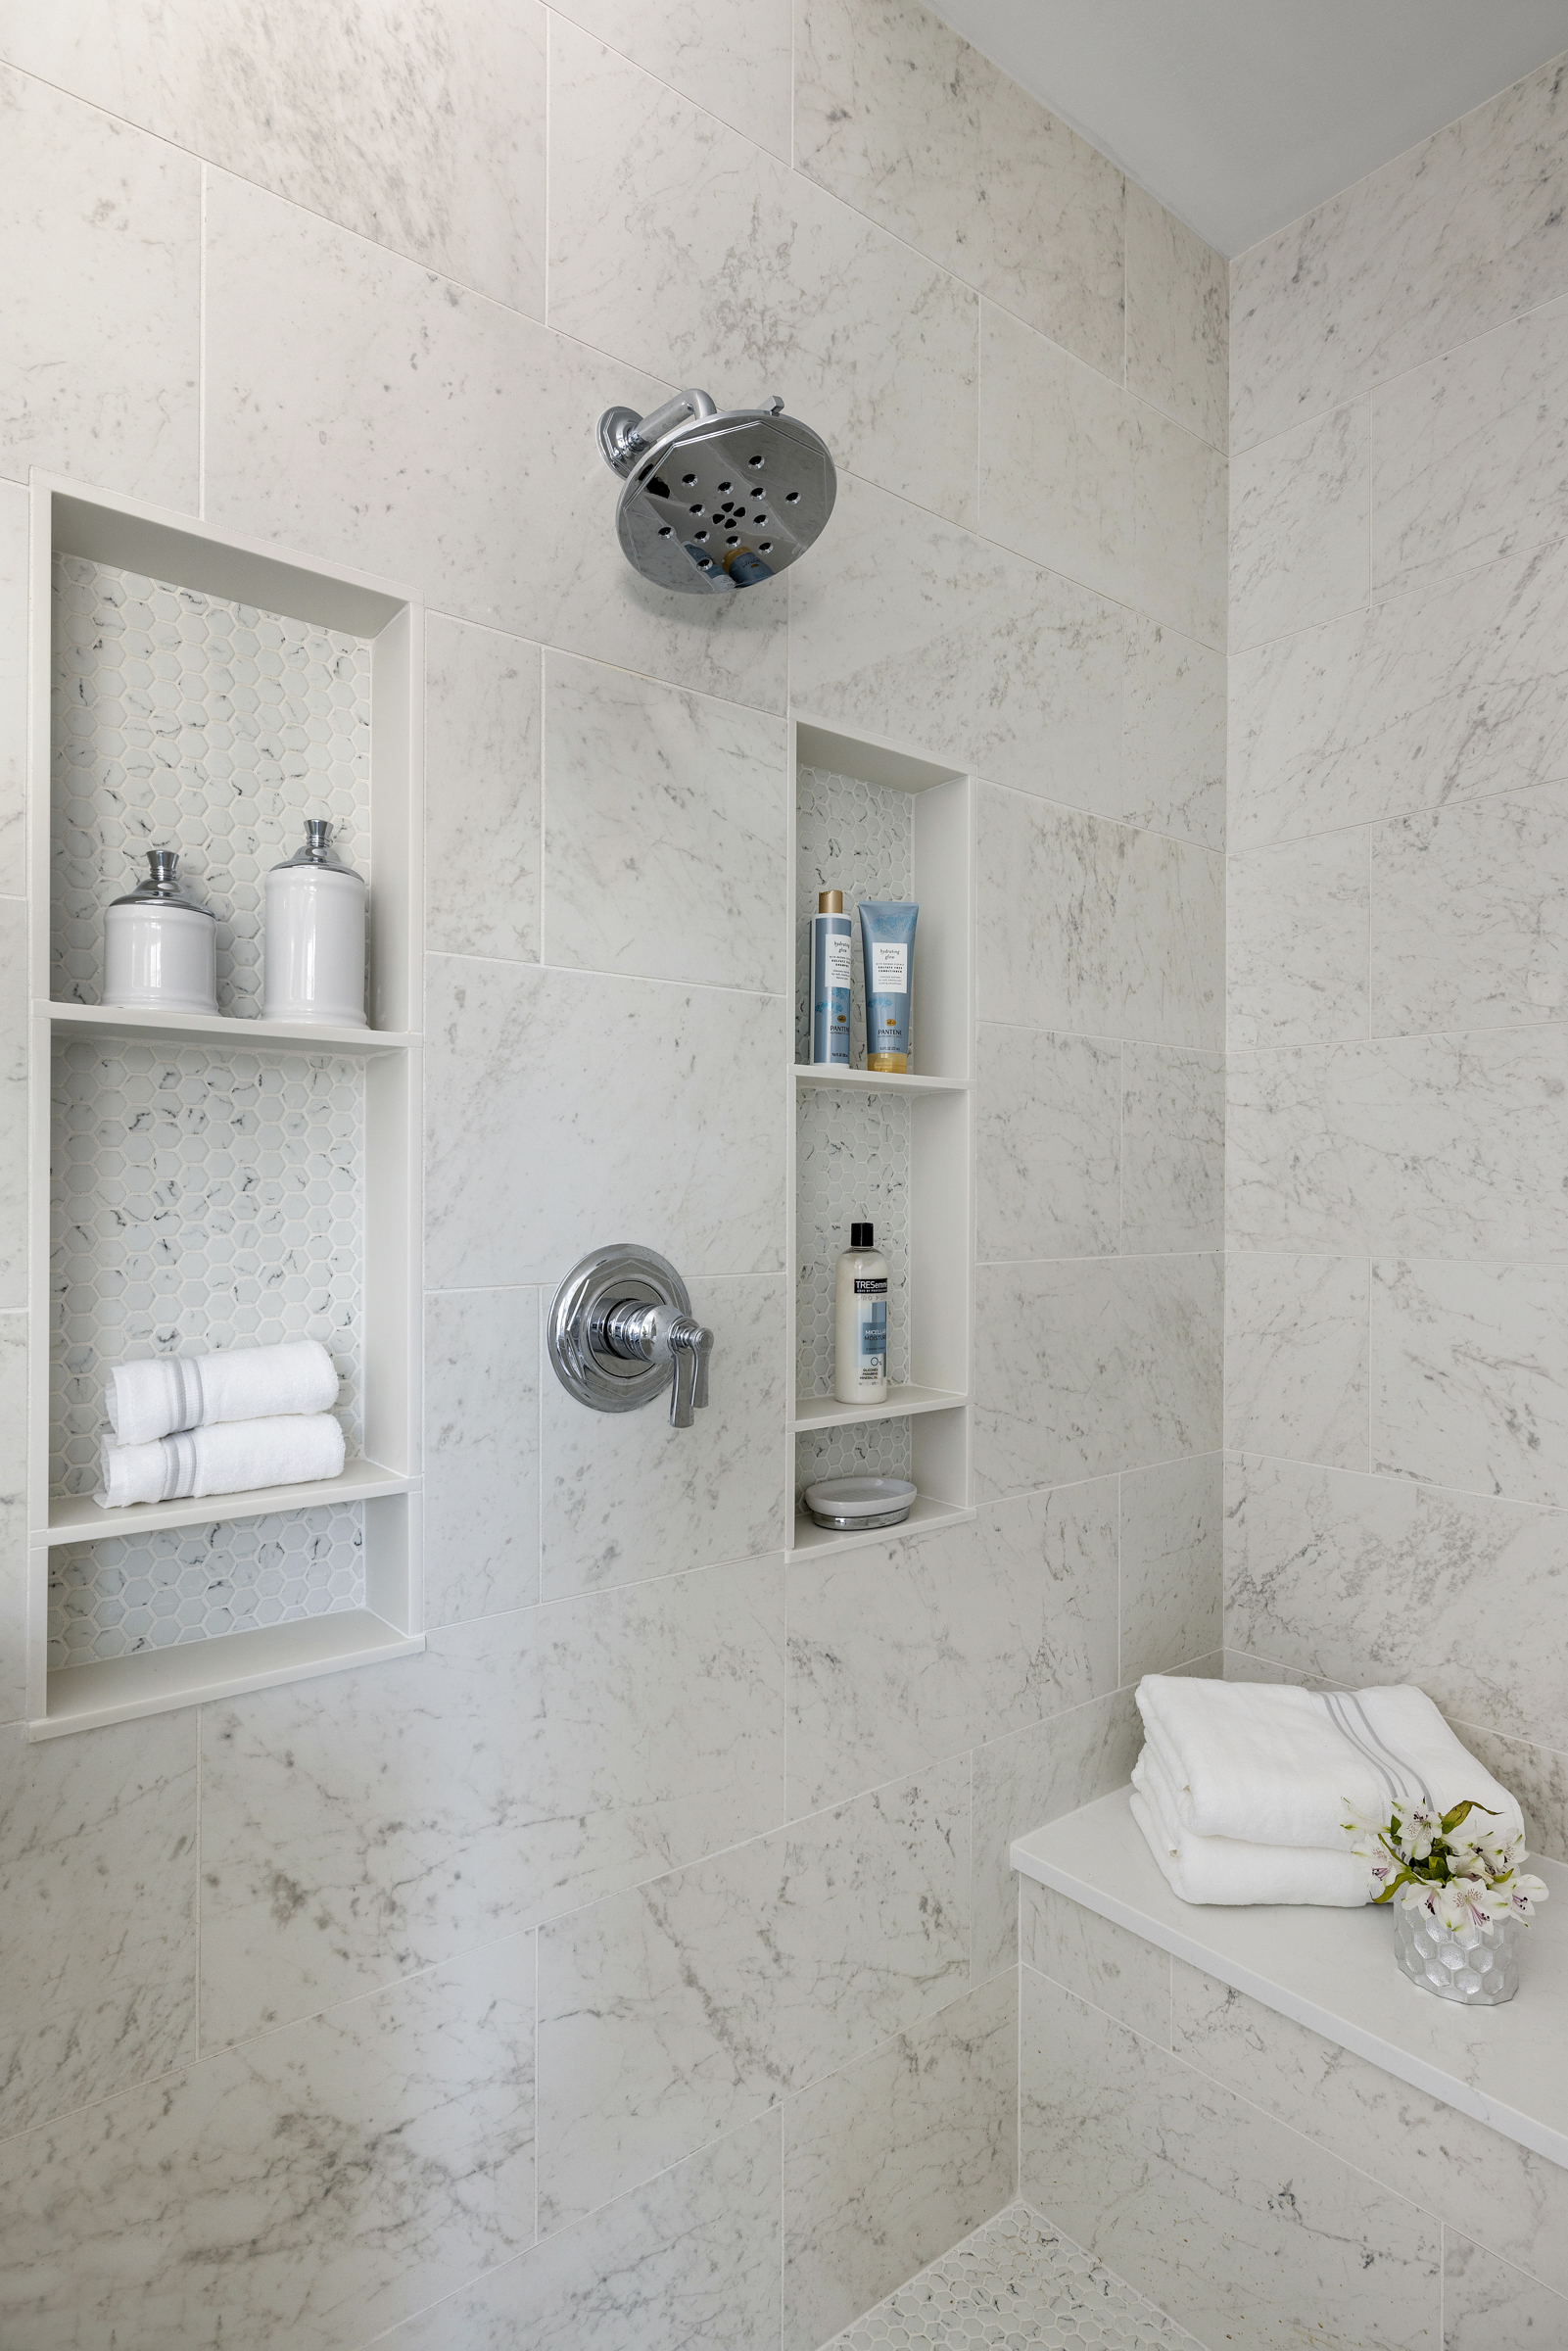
[[716, 500]]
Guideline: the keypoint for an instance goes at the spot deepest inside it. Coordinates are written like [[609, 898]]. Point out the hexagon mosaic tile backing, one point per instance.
[[851, 1162], [1015, 2282], [129, 1593], [864, 1449], [184, 721], [202, 1197], [859, 839]]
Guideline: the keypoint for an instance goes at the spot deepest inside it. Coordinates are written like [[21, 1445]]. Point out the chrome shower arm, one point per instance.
[[623, 435]]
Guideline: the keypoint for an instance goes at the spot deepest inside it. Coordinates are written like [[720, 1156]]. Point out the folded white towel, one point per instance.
[[1272, 1764], [1226, 1869], [172, 1392], [233, 1457]]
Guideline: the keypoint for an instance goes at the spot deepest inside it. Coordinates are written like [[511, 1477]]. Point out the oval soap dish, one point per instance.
[[851, 1505]]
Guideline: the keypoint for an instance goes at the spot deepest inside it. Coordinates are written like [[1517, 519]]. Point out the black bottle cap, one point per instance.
[[861, 1237]]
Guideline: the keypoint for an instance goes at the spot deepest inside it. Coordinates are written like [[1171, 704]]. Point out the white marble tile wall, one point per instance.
[[1396, 1388], [363, 290]]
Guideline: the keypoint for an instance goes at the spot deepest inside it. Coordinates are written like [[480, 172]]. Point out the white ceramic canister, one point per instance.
[[160, 946], [314, 968]]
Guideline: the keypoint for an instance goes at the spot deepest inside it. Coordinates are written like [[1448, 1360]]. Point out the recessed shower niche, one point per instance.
[[879, 821], [204, 1181]]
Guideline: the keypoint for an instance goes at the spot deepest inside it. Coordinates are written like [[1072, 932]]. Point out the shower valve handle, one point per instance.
[[653, 1334], [691, 1345]]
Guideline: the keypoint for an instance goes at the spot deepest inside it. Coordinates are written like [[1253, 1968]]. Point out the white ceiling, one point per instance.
[[1241, 115]]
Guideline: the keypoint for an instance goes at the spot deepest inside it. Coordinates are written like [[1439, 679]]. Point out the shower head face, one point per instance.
[[726, 502]]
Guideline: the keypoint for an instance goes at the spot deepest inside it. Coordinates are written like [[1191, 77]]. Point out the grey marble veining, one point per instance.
[[310, 2188], [671, 2013], [1296, 1336], [482, 791], [98, 1891], [1194, 2196], [1298, 928], [745, 270], [1470, 1376], [1088, 1364], [1120, 1973], [562, 1105], [481, 1400], [1445, 693], [624, 1495], [905, 122], [664, 830], [737, 64], [1299, 527], [1470, 914], [1172, 1150], [1488, 2305], [1537, 1776], [13, 1515], [1352, 1579], [1178, 300], [1451, 237], [911, 627], [366, 409], [1048, 1145], [1173, 735], [891, 2161], [1170, 1569], [1027, 1779], [902, 1654], [103, 323], [691, 2257], [360, 1827]]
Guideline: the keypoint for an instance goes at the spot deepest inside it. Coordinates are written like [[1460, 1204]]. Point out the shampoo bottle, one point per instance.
[[831, 953], [860, 1357]]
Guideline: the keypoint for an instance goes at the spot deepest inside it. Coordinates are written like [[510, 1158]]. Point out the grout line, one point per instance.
[[201, 350]]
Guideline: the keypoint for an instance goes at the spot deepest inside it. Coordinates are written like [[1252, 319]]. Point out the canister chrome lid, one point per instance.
[[163, 887]]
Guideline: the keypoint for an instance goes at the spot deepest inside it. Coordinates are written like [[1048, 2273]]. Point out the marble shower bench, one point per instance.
[[1263, 2126]]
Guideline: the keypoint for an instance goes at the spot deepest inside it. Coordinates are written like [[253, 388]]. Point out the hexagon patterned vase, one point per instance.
[[1478, 1966]]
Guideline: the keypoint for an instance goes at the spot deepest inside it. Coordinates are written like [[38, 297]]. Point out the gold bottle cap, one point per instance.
[[830, 901]]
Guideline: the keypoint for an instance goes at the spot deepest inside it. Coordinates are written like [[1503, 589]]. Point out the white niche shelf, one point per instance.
[[242, 687], [880, 819]]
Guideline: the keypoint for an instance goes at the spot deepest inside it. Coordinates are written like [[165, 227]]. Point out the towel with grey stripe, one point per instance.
[[235, 1457], [170, 1392], [1276, 1765]]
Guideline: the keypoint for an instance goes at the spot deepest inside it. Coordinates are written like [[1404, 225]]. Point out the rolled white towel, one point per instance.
[[1231, 1871], [170, 1392], [1271, 1764], [233, 1457]]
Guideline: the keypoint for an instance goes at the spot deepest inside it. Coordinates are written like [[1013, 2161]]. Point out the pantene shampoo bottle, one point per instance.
[[830, 957], [860, 1356]]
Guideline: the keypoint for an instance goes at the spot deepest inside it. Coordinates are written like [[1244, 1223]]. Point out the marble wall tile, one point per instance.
[[691, 2257], [562, 1105], [1451, 237], [1421, 1147], [1090, 1365], [13, 587], [625, 1496], [97, 1890], [1417, 2145], [386, 418], [12, 1517], [920, 1650], [1114, 931], [1537, 1776], [743, 269], [664, 832], [1180, 514], [1446, 693], [1178, 300], [1469, 460], [1376, 1579], [1172, 1572], [483, 698], [890, 2162], [1048, 1145], [1296, 1334], [672, 2013], [1488, 2305], [1297, 929], [1299, 527], [482, 1373], [735, 63], [313, 2187], [912, 628], [1470, 1376], [360, 1827], [1199, 2199], [1172, 1149], [1118, 1972], [13, 1102], [1173, 735], [900, 117], [426, 136], [1024, 1782], [104, 322], [1470, 910]]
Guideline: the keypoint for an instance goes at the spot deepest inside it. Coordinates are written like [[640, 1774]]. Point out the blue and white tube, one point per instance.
[[888, 944]]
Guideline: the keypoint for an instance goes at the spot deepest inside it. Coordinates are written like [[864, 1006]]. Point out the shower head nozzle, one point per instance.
[[716, 500]]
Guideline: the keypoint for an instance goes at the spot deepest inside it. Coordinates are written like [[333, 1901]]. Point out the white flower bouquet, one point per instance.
[[1447, 1865]]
